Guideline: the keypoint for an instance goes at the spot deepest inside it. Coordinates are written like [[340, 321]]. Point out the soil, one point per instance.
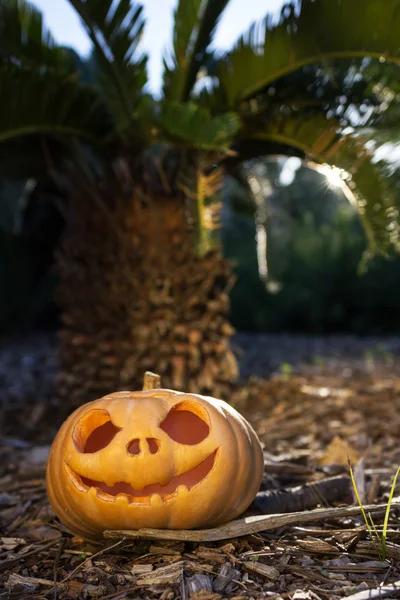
[[314, 402]]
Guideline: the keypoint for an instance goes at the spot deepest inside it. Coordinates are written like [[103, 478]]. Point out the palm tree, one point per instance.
[[143, 282]]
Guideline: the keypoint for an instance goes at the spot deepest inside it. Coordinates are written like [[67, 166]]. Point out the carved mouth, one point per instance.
[[177, 485]]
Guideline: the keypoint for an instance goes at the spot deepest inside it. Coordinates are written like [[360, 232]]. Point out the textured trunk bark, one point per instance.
[[136, 296]]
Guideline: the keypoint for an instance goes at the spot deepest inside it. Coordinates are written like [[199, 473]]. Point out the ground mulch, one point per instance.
[[309, 424]]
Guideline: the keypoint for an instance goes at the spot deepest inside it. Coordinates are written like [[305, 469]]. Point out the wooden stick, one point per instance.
[[151, 381], [304, 497], [245, 526]]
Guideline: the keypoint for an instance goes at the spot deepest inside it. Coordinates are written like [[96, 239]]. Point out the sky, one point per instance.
[[66, 28]]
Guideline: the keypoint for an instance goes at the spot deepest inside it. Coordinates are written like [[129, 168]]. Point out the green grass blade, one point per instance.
[[386, 521], [378, 537], [364, 514]]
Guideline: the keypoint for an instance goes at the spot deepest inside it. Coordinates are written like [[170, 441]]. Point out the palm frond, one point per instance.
[[359, 92], [47, 103], [23, 37], [309, 32], [212, 97], [309, 132], [194, 25], [116, 30], [312, 135], [189, 125], [375, 191]]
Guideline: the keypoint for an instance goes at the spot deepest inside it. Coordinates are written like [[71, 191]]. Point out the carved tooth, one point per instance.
[[92, 493], [103, 496], [156, 500], [182, 490], [121, 499]]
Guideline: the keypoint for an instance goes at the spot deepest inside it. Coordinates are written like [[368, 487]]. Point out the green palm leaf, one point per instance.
[[319, 30], [23, 36], [195, 22], [189, 125], [34, 103], [311, 134], [116, 30], [376, 193]]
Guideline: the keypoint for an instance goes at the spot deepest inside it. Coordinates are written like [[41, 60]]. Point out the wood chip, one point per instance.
[[17, 582], [262, 569], [198, 582], [226, 575], [169, 574], [211, 555], [141, 569], [199, 587], [156, 549], [318, 546]]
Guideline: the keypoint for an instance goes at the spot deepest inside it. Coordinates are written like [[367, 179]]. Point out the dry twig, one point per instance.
[[245, 526]]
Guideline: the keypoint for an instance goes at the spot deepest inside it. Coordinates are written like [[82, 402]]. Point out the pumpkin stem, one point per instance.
[[151, 381]]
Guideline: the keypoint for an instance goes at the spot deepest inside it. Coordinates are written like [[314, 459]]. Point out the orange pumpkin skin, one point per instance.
[[156, 458]]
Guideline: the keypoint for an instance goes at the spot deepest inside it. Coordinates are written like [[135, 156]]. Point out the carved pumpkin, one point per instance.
[[155, 458]]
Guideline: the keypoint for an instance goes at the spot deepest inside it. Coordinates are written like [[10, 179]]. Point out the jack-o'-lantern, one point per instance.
[[153, 458]]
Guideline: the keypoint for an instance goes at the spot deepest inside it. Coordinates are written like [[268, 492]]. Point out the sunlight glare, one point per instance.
[[334, 176]]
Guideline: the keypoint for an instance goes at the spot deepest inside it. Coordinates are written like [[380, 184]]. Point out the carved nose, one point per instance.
[[140, 446]]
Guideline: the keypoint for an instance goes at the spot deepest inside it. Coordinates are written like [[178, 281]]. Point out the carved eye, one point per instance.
[[94, 431], [187, 423]]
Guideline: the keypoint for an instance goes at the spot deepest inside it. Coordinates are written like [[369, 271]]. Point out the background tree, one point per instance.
[[315, 243], [143, 283]]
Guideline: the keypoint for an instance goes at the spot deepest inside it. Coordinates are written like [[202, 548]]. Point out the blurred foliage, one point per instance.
[[29, 230], [315, 242]]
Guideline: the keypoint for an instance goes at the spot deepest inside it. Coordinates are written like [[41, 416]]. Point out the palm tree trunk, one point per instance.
[[136, 296]]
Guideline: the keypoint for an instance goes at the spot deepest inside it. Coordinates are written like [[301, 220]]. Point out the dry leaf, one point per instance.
[[338, 452], [10, 543]]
